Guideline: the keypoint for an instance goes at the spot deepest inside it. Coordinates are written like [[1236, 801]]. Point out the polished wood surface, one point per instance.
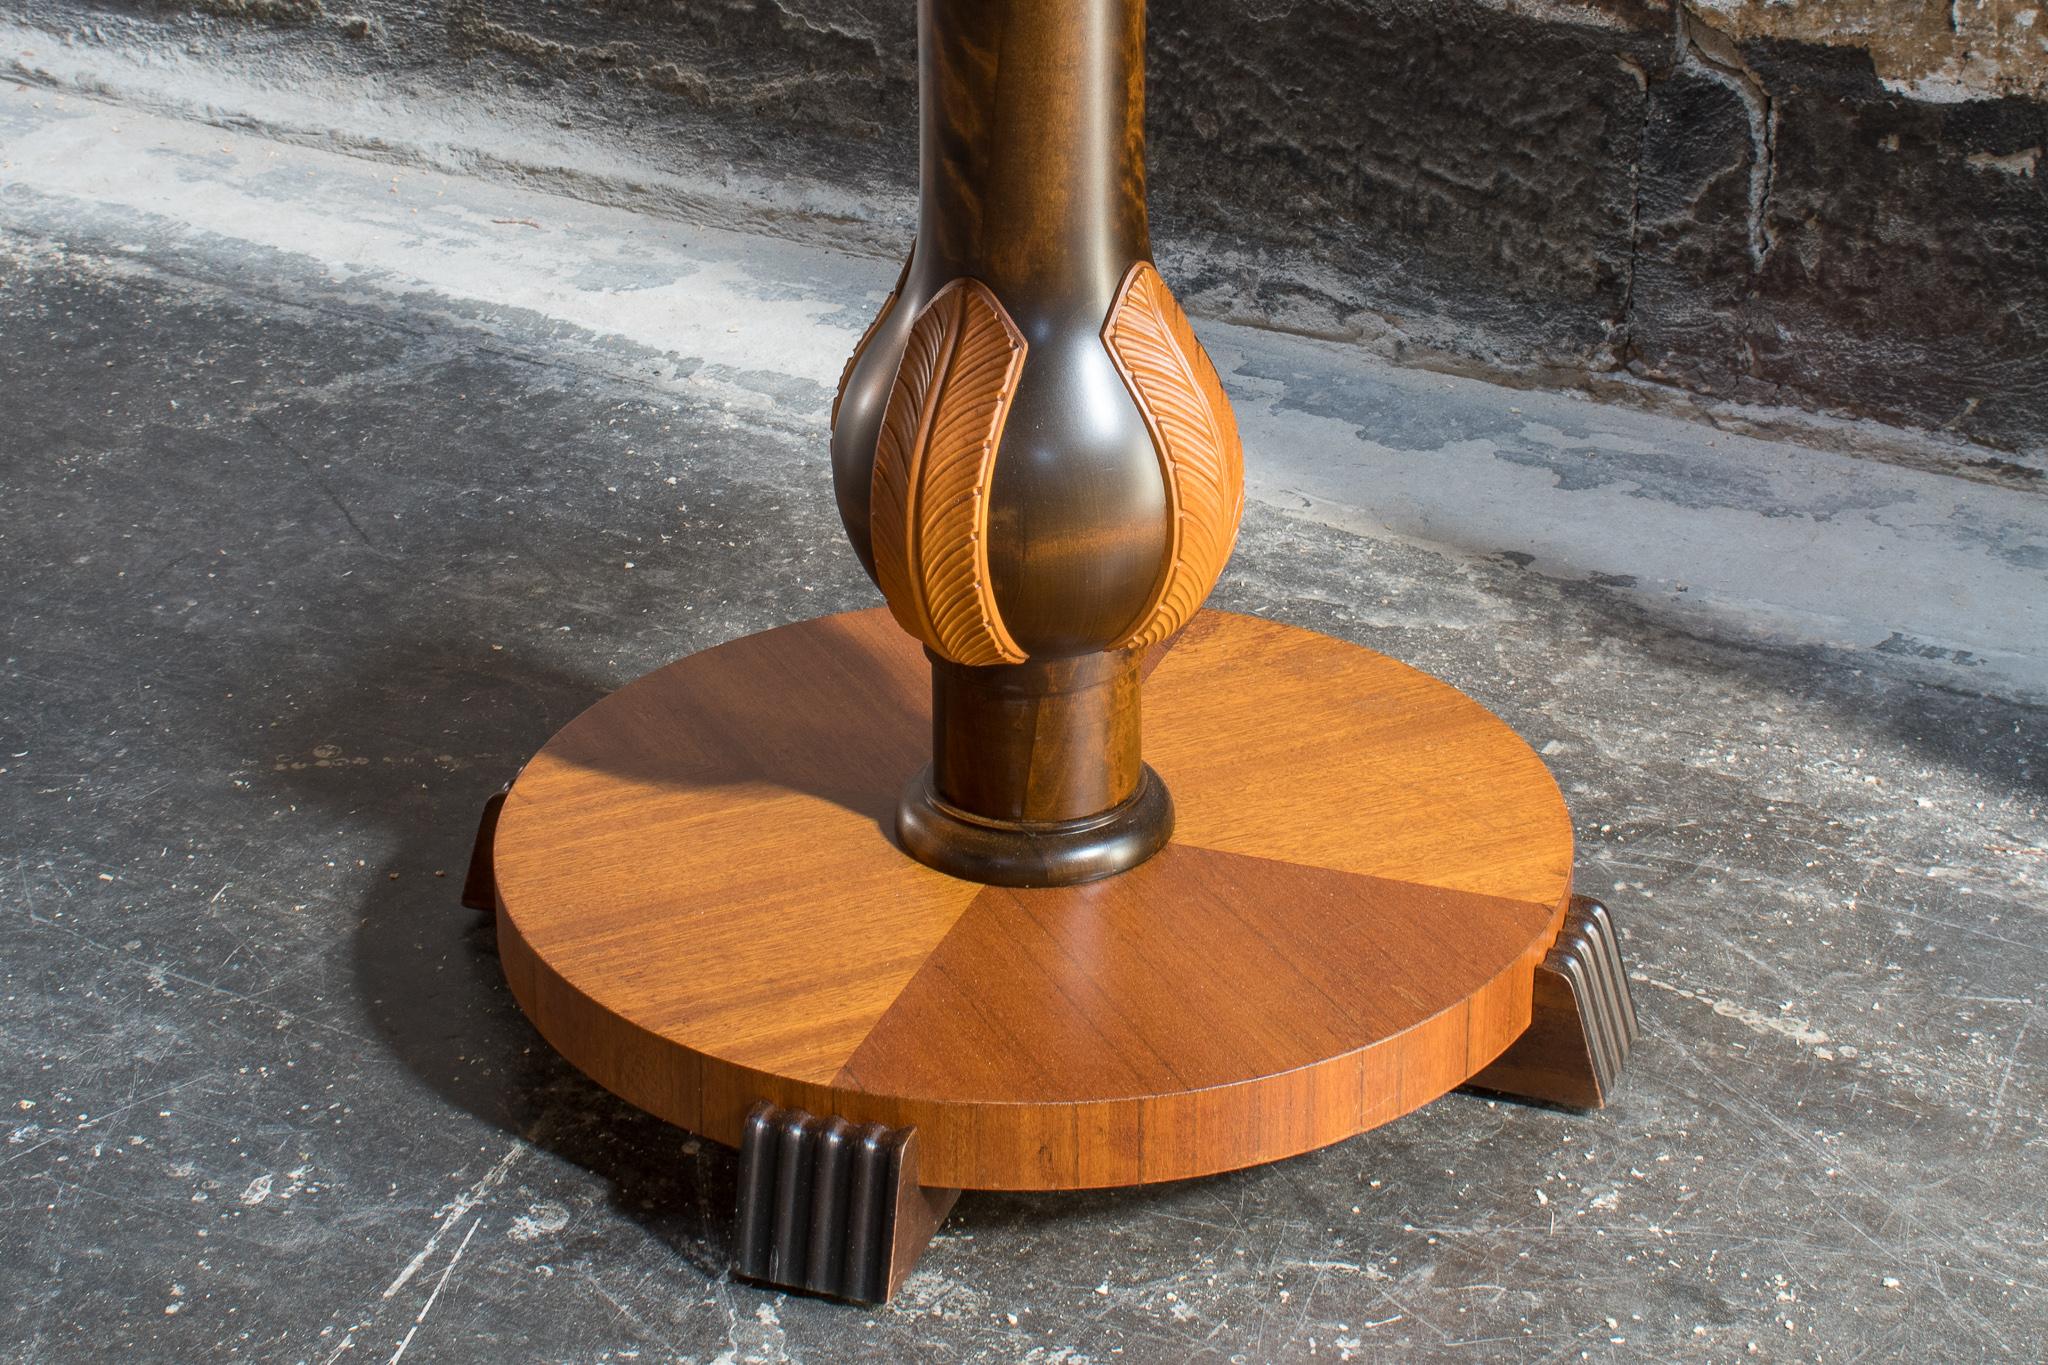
[[1032, 176], [990, 728], [1195, 433], [1036, 778], [1032, 183], [934, 462], [701, 906], [860, 347], [830, 1207], [1033, 457]]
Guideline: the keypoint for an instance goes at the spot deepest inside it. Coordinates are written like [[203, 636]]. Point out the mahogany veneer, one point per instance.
[[701, 906]]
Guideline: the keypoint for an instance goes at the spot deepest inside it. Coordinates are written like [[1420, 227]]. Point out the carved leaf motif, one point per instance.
[[1194, 431], [861, 346], [899, 452], [929, 509]]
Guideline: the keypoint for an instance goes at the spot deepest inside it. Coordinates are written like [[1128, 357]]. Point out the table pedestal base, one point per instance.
[[1366, 904]]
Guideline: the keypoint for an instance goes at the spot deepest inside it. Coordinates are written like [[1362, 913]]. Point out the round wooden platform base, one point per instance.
[[699, 905]]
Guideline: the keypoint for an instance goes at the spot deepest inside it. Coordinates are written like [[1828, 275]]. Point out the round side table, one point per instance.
[[1040, 877]]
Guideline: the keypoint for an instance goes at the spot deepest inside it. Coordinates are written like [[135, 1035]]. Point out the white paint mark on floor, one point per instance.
[[538, 1221], [439, 1285], [451, 1213], [1800, 1031]]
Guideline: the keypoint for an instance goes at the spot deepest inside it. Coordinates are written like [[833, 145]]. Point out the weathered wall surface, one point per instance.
[[1943, 50], [1838, 206]]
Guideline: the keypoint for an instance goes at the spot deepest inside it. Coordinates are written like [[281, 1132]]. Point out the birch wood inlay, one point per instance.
[[933, 464], [1177, 389]]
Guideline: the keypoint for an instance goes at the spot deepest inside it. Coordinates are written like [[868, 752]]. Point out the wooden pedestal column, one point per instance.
[[897, 901], [1034, 458]]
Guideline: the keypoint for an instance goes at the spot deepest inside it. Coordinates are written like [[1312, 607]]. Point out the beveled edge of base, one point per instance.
[[950, 840]]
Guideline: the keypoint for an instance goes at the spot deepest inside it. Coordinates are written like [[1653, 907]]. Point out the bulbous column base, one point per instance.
[[1029, 853]]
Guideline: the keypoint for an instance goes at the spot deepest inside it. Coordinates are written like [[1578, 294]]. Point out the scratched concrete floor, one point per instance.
[[328, 490]]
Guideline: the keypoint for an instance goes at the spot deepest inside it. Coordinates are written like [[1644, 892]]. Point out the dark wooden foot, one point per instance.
[[480, 884], [1583, 1022], [830, 1208]]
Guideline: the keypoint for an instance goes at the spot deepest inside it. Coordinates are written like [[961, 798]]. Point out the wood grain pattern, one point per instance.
[[699, 906], [1303, 718], [1032, 183], [1229, 985], [1177, 389], [867, 335], [713, 769], [937, 452]]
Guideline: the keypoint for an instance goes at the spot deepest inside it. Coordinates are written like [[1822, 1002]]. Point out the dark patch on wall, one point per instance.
[[1887, 274], [1904, 277], [1458, 173], [1516, 193], [779, 78], [1693, 268]]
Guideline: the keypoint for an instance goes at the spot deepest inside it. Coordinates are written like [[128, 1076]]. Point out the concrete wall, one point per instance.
[[1840, 207]]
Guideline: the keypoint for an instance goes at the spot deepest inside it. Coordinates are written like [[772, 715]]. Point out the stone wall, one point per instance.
[[1841, 207], [1947, 51]]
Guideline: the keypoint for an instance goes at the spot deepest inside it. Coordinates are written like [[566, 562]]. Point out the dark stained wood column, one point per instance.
[[1033, 457]]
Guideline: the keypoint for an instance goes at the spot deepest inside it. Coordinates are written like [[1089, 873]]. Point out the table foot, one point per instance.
[[828, 1207], [1582, 1022]]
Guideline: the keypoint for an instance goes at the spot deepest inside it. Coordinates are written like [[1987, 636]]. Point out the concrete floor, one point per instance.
[[329, 490]]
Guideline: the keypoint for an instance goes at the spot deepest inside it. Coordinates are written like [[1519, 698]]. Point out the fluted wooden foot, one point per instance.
[[828, 1207], [1583, 1020]]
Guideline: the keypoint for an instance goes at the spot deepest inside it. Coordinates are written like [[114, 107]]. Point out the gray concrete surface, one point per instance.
[[329, 489]]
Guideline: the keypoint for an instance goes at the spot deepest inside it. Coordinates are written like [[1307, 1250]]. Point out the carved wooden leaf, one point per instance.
[[1195, 433], [929, 509], [899, 451]]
